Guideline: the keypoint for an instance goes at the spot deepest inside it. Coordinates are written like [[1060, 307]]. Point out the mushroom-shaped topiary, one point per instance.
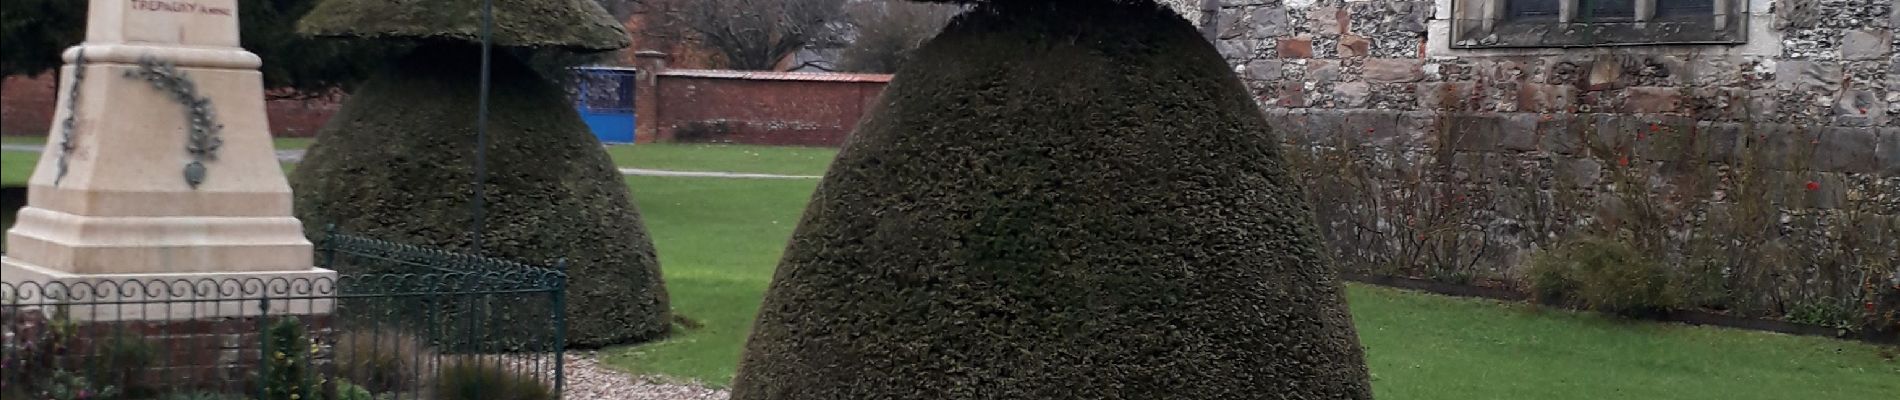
[[1066, 199], [396, 162]]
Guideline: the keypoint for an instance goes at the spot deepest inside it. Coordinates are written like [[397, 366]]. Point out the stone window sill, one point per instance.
[[1521, 34]]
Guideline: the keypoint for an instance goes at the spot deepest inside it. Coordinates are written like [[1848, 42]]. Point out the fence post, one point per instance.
[[263, 341], [560, 329], [328, 247]]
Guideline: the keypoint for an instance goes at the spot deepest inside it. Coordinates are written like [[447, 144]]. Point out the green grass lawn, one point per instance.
[[779, 160], [16, 167], [719, 240]]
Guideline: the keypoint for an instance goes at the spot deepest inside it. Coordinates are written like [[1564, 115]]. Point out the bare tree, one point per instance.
[[887, 32], [756, 34]]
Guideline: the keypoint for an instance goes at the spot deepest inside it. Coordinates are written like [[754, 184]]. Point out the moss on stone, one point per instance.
[[1076, 201], [570, 24], [395, 164]]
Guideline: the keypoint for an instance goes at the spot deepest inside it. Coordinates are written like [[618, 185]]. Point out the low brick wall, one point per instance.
[[27, 105], [212, 353], [765, 108]]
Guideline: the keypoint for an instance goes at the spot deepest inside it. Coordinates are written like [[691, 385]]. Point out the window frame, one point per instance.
[[1482, 24]]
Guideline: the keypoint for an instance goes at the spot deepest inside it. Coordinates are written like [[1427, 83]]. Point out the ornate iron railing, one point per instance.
[[395, 322]]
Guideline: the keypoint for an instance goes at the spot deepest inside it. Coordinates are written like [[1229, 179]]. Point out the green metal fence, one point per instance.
[[395, 322]]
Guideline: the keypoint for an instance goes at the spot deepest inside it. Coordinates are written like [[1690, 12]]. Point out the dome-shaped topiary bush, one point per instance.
[[1068, 199], [395, 164]]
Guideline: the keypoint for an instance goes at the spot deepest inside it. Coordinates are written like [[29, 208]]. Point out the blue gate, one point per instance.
[[604, 97]]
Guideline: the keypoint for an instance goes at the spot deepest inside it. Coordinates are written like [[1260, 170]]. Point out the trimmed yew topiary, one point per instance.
[[395, 163], [1069, 199]]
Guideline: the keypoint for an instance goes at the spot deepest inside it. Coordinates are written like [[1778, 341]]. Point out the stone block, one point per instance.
[[1326, 127], [1407, 16], [1518, 132], [1322, 71], [1351, 94], [1328, 20], [1270, 22], [1577, 172], [1719, 142], [1390, 70], [1803, 75], [1354, 46], [1472, 132], [1445, 95], [1821, 190], [1783, 147], [1613, 134], [1865, 45], [1235, 49], [1846, 150], [1300, 47], [1231, 25], [1541, 98], [1560, 134], [1887, 152], [1291, 94], [1652, 100], [1420, 128], [1263, 70], [1377, 128], [1859, 103]]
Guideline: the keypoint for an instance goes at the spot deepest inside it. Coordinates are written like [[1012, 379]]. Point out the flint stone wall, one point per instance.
[[1773, 164]]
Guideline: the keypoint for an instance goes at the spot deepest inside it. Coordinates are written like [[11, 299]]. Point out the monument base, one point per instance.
[[168, 296]]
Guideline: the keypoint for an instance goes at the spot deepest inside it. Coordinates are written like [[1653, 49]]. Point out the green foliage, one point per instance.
[[381, 361], [203, 396], [1824, 312], [68, 385], [1605, 275], [475, 379], [287, 373], [120, 359], [344, 390], [33, 34]]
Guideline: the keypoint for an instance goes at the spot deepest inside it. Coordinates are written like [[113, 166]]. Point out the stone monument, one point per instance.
[[160, 164]]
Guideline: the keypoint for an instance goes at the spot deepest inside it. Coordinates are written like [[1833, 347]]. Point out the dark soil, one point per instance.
[[395, 164], [1070, 199]]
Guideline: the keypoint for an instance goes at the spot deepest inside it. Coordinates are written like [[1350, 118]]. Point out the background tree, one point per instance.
[[34, 32], [887, 32], [755, 34]]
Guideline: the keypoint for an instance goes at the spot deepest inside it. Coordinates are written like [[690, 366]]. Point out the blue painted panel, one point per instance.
[[610, 127], [604, 98]]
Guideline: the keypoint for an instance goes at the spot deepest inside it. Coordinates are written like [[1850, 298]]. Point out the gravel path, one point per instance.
[[588, 380]]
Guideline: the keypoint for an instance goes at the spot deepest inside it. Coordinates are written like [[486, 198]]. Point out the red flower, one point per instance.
[[1869, 305], [1813, 186], [1623, 160]]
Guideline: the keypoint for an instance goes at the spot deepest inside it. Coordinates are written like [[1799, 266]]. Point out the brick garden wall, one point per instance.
[[768, 108], [27, 105], [1770, 170]]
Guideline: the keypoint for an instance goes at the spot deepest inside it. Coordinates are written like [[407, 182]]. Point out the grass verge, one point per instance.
[[720, 239]]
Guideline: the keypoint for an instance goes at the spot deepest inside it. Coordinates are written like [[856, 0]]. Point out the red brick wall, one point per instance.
[[27, 103], [759, 108]]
